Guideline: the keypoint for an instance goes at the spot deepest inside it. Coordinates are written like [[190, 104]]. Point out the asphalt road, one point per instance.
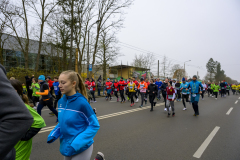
[[130, 133]]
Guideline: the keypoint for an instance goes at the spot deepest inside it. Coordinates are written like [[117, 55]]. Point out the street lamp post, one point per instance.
[[184, 67]]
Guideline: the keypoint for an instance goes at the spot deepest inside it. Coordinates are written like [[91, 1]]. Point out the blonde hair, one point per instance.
[[12, 78], [74, 76]]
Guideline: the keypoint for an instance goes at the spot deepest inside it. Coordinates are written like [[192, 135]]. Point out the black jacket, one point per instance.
[[15, 119], [152, 88], [222, 85], [163, 88]]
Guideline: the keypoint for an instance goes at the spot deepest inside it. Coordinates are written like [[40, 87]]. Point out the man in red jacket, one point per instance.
[[122, 85], [50, 83]]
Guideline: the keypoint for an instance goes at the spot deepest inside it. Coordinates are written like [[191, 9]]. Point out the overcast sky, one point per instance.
[[195, 30]]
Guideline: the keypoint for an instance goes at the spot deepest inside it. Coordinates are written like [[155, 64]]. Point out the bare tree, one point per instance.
[[143, 60], [17, 17], [106, 10], [108, 52], [47, 7], [166, 66], [177, 71]]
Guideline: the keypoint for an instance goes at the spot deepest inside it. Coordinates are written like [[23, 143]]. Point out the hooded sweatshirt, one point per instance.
[[77, 125]]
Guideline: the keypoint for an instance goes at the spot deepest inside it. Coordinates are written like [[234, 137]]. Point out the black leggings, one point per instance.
[[216, 94], [195, 107], [178, 94], [151, 100], [164, 97], [202, 94], [48, 103], [122, 95], [56, 100], [131, 94], [223, 92], [185, 96], [93, 95], [116, 93], [35, 99], [227, 92]]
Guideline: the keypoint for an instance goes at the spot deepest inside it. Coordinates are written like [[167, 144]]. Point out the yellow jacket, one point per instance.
[[234, 87], [131, 87]]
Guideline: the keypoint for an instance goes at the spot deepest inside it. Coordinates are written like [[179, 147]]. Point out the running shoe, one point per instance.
[[95, 101], [51, 113], [169, 114], [173, 114], [124, 101], [35, 108], [184, 109], [154, 103], [95, 110], [121, 101], [194, 115], [131, 105], [165, 109], [100, 156], [140, 106], [216, 98], [137, 100]]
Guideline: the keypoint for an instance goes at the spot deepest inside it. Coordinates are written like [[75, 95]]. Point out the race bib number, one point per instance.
[[209, 87], [131, 87], [91, 89], [223, 87], [170, 96], [194, 95], [55, 88], [115, 89]]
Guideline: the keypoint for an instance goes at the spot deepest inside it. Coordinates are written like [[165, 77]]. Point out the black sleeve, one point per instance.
[[30, 133], [45, 87], [15, 119]]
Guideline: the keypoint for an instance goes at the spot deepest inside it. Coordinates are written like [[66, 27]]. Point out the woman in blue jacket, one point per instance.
[[78, 123]]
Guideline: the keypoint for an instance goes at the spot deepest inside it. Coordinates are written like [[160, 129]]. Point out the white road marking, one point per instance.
[[236, 102], [229, 111], [205, 144], [46, 129], [239, 98]]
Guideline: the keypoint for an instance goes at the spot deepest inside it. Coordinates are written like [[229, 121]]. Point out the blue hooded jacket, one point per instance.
[[77, 125], [159, 84], [195, 86]]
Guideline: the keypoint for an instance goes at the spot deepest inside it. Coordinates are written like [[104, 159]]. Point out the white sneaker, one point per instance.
[[137, 100], [184, 109], [202, 98], [212, 96], [95, 101], [165, 109], [35, 108], [216, 98]]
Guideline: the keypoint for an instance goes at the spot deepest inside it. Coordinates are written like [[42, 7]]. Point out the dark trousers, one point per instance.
[[178, 94], [195, 107], [56, 100], [35, 99], [142, 97], [99, 90], [151, 100], [116, 93], [202, 94], [234, 91], [185, 96], [209, 92], [93, 95], [49, 104], [29, 93], [122, 95], [216, 94], [164, 97], [223, 92], [135, 94], [227, 92], [51, 91], [131, 94]]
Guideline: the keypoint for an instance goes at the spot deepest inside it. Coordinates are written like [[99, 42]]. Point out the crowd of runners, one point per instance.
[[70, 96]]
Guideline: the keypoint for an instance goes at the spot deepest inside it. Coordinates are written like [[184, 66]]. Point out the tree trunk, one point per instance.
[[71, 48], [27, 38], [104, 63], [95, 47]]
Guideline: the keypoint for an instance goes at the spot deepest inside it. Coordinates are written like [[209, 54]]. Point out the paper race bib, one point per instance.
[[223, 87], [91, 89], [115, 89], [131, 87], [170, 96], [194, 95], [55, 88]]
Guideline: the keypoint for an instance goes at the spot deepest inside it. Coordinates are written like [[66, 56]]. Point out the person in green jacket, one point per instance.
[[35, 87], [228, 89], [216, 88], [211, 89], [24, 146]]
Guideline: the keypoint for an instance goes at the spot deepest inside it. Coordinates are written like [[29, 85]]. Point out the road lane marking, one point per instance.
[[229, 111], [46, 129], [205, 144], [236, 102], [239, 98]]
